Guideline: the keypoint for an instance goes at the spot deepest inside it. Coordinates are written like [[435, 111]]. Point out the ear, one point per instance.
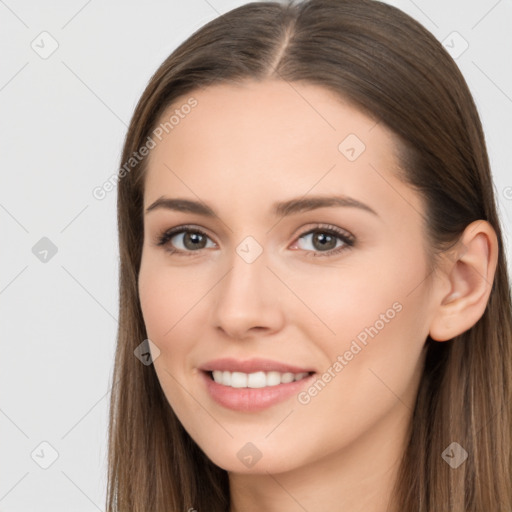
[[467, 273]]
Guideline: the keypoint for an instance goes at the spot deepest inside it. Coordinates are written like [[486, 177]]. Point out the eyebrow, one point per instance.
[[279, 209]]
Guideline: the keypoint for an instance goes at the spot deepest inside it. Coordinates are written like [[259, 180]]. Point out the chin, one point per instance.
[[250, 459]]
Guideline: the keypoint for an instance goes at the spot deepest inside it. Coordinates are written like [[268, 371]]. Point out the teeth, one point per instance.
[[238, 380], [255, 380]]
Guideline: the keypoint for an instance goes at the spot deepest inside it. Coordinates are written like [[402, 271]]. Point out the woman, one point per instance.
[[312, 275]]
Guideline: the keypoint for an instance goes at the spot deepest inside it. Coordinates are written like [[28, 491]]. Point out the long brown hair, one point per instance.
[[393, 69]]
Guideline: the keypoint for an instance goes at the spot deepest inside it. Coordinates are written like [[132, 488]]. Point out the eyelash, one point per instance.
[[348, 240]]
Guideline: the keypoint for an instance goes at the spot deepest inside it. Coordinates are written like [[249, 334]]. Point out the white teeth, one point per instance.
[[273, 378], [287, 377], [255, 380], [238, 380]]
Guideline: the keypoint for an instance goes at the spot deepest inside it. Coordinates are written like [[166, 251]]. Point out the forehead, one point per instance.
[[282, 115], [270, 139]]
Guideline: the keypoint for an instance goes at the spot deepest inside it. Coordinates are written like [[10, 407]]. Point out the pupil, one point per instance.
[[190, 240], [324, 241], [193, 240]]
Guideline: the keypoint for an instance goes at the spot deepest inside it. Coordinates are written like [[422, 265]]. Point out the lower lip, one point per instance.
[[252, 399]]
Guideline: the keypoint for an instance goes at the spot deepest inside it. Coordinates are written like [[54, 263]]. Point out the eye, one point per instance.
[[184, 240], [325, 240]]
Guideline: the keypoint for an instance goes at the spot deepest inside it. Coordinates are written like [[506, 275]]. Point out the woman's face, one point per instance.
[[284, 271]]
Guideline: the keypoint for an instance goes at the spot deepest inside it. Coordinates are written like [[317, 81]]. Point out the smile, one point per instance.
[[255, 380], [253, 392]]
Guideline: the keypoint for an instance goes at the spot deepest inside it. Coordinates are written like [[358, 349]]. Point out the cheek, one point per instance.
[[344, 301], [374, 366], [373, 318], [369, 288], [167, 296], [381, 354], [174, 302], [168, 303]]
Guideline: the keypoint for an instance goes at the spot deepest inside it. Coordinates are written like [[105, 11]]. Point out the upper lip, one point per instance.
[[251, 366]]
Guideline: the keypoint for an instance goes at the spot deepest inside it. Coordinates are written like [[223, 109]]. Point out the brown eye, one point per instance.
[[193, 240], [184, 240], [325, 241]]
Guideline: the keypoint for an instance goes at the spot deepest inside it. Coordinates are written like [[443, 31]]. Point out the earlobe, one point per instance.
[[468, 273]]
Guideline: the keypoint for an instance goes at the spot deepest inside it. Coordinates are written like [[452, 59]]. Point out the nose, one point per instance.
[[246, 302]]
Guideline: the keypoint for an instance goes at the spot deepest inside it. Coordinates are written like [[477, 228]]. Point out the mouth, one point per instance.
[[251, 385], [253, 391], [255, 380]]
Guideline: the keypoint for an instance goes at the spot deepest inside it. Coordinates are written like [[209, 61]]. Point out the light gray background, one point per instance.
[[63, 120]]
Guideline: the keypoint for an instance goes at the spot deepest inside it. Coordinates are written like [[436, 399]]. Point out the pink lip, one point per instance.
[[252, 399], [251, 365]]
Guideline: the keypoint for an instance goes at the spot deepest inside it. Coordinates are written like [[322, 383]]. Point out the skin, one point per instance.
[[239, 150]]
